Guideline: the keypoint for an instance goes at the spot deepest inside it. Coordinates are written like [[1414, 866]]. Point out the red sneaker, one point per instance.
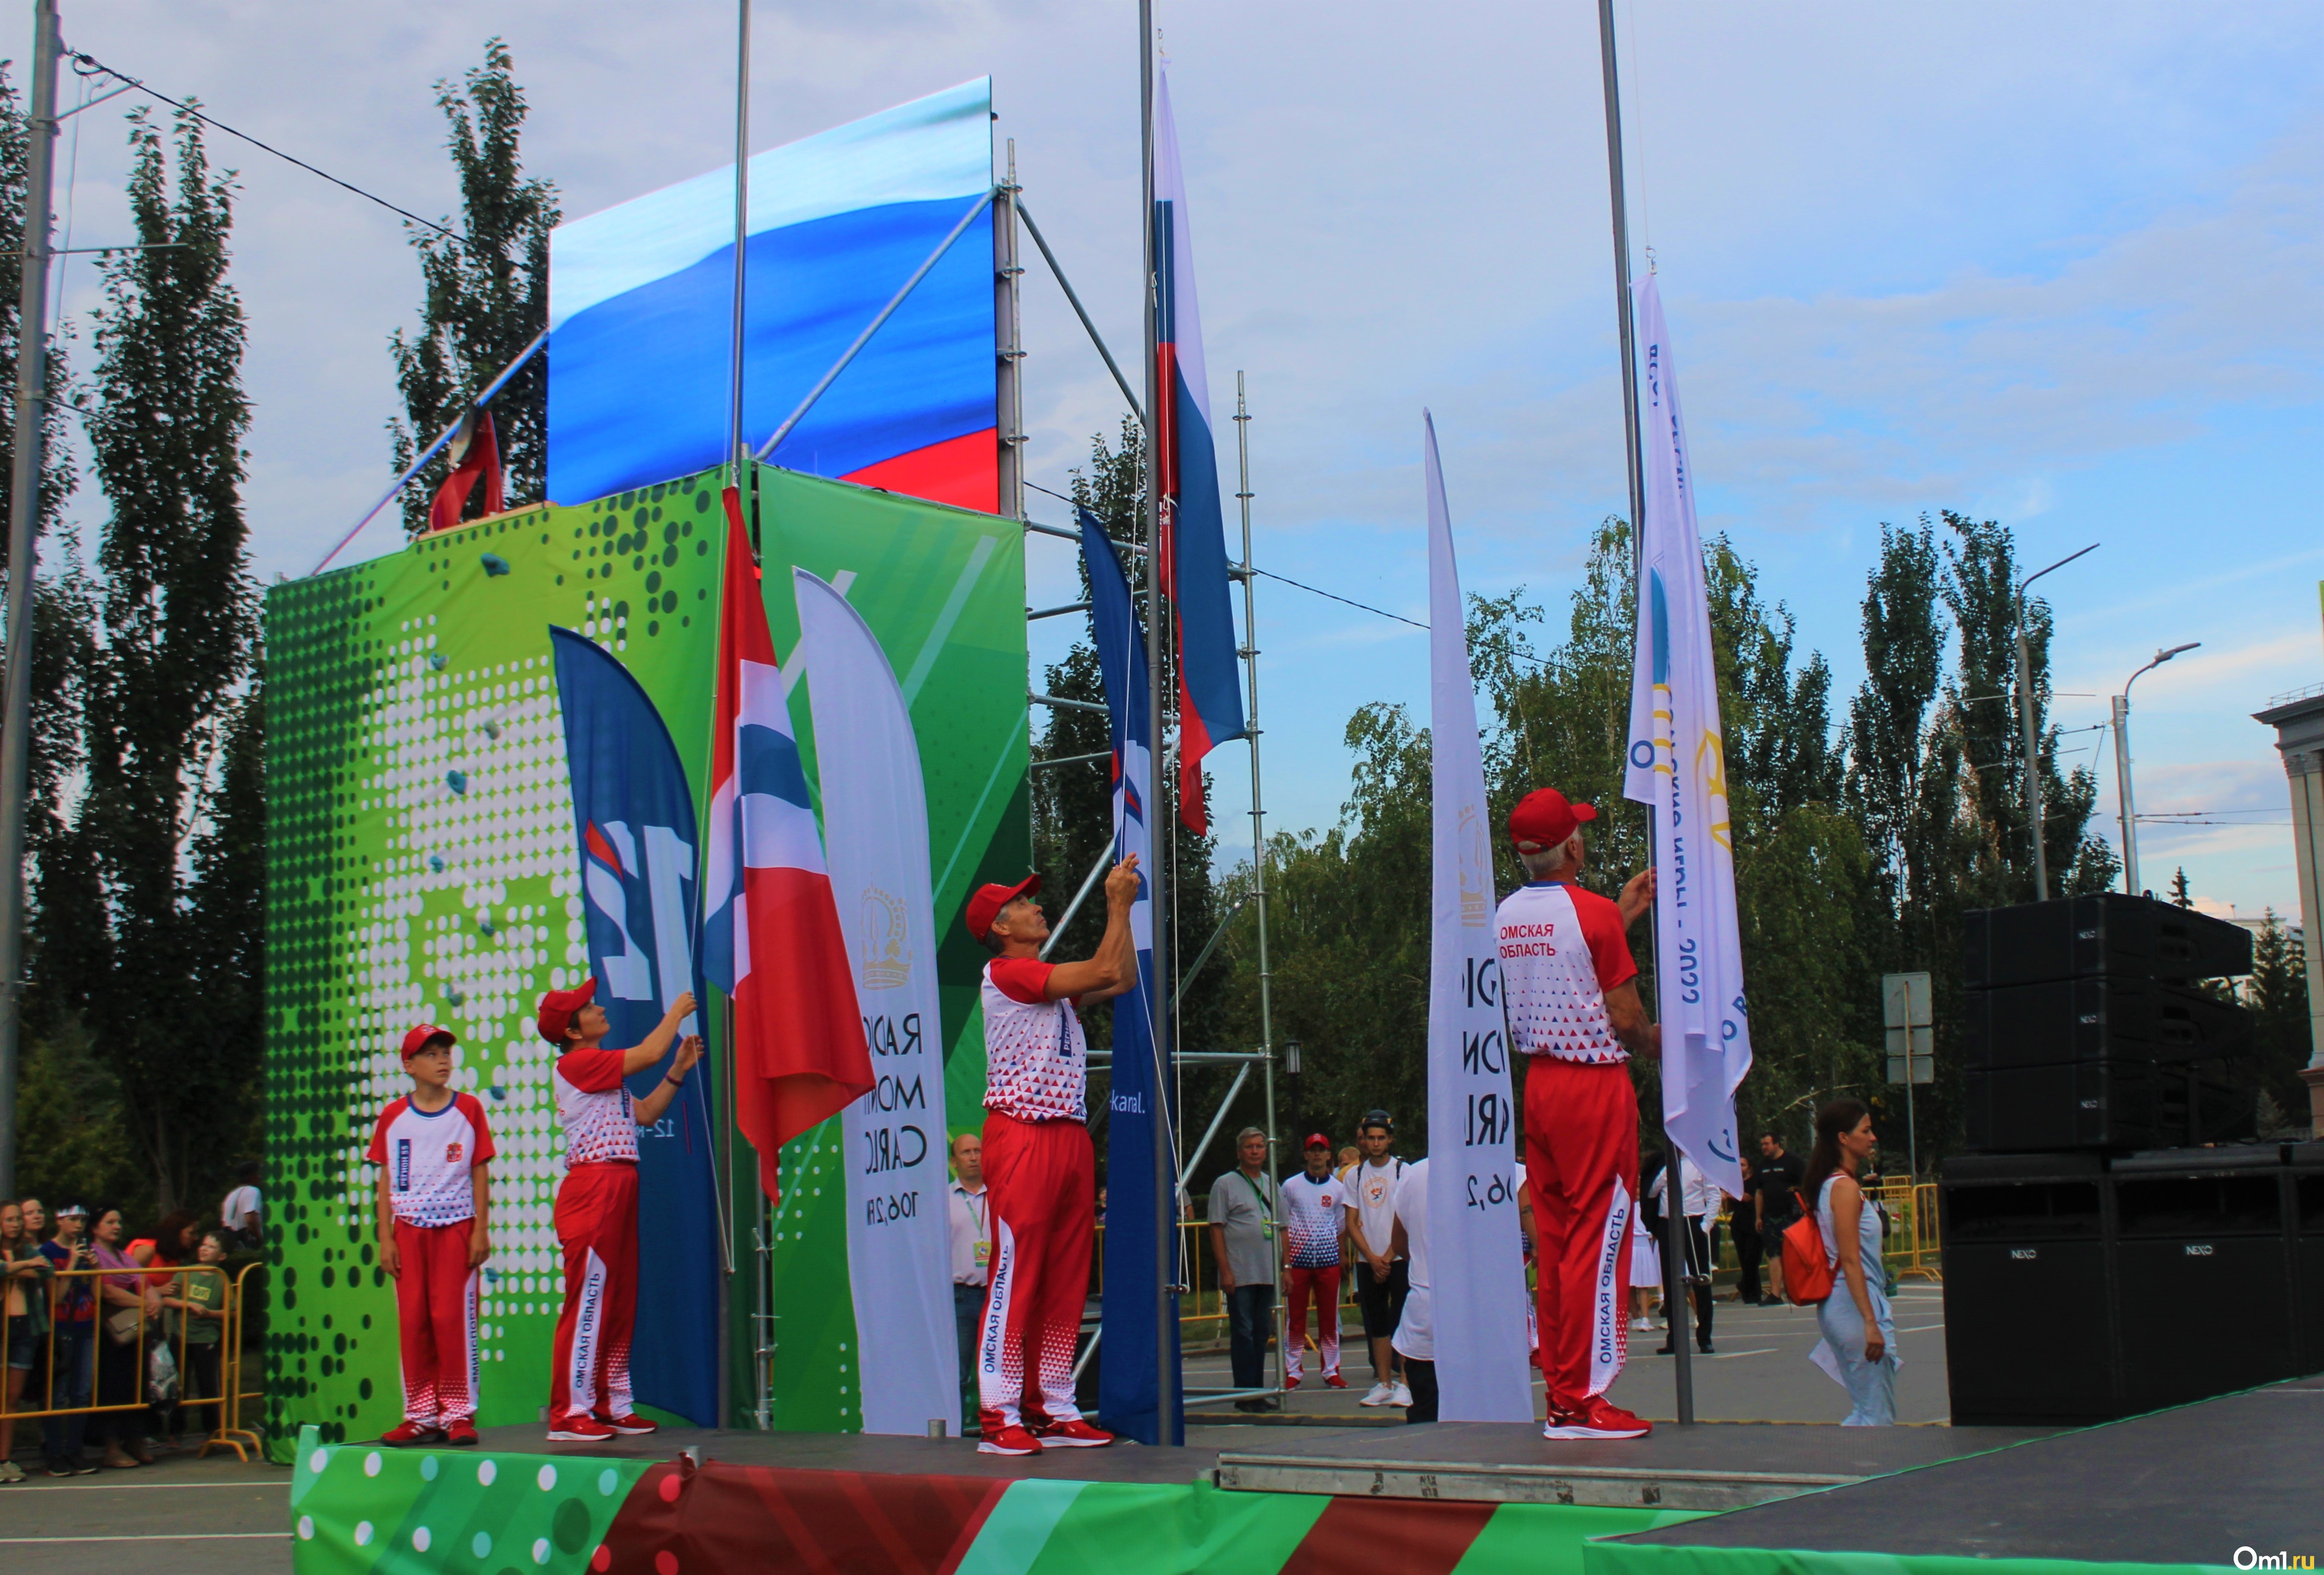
[[411, 1433], [1075, 1434], [461, 1433], [579, 1429], [1596, 1418], [1008, 1440], [1334, 1381], [1290, 1383], [635, 1426]]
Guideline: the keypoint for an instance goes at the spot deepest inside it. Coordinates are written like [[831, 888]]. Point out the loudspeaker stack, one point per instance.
[[2084, 1028], [2116, 1241]]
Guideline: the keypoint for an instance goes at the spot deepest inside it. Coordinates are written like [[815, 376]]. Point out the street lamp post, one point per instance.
[[2122, 766], [2025, 723]]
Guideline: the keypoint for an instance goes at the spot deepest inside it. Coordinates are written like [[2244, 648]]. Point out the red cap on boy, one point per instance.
[[558, 1007], [417, 1039]]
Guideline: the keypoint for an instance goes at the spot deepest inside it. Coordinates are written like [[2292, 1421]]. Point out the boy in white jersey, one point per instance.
[[1572, 992], [1314, 1238], [1039, 1169], [432, 1147]]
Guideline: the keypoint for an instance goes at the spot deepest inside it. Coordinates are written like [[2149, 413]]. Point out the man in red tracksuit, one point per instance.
[[1039, 1173], [589, 1395], [432, 1147], [1572, 992]]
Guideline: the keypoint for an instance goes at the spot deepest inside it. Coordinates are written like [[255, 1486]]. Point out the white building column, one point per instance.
[[2298, 727]]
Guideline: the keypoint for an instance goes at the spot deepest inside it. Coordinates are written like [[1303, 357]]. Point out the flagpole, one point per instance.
[[1675, 1246], [734, 449], [1166, 1192], [761, 1264]]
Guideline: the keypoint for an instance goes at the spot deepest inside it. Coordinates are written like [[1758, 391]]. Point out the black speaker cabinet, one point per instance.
[[2105, 1018], [2305, 1181], [2029, 1324], [2086, 937], [2203, 1267], [2091, 1105]]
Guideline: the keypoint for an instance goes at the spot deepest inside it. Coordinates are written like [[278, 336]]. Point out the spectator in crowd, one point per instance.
[[73, 1344], [1381, 1277], [1416, 1326], [972, 1251], [1859, 1348], [239, 1214], [1743, 1220], [24, 1295], [1698, 1201], [126, 1305], [198, 1298], [1344, 1161], [1776, 1199], [1244, 1209], [1315, 1242], [1645, 1272]]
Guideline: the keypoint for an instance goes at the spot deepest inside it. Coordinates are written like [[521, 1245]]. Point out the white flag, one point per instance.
[[875, 830], [1678, 766], [1476, 1254]]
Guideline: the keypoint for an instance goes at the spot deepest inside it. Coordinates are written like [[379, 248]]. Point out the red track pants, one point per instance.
[[597, 1226], [1323, 1286], [1041, 1177], [435, 1321], [1581, 1166]]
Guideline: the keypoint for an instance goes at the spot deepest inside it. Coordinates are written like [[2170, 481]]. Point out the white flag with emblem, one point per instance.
[[1476, 1293], [1678, 767], [875, 828]]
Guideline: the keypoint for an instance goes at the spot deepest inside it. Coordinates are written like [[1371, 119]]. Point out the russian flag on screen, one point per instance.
[[771, 940], [1194, 527], [642, 301]]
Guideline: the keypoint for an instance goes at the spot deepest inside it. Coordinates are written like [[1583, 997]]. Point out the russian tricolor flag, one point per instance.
[[1193, 565], [772, 940]]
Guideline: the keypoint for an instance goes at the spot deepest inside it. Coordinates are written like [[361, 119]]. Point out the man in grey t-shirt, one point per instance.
[[1243, 1222]]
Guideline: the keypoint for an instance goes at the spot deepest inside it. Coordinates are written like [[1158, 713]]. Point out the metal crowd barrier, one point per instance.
[[227, 1432]]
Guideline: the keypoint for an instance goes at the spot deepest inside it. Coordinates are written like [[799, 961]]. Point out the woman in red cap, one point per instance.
[[589, 1397], [1571, 993], [1038, 1168]]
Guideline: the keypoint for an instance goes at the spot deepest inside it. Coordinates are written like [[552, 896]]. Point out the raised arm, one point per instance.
[[1626, 1016], [1114, 968], [648, 1109], [650, 1050]]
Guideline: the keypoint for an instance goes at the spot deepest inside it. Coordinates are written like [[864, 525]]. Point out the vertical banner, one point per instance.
[[875, 830], [1677, 765], [633, 815], [1140, 1080], [1475, 1253]]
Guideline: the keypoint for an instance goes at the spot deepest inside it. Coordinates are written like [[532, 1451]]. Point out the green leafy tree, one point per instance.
[[487, 295], [167, 817], [2277, 995]]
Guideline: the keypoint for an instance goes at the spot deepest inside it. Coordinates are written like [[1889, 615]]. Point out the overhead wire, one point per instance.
[[94, 65]]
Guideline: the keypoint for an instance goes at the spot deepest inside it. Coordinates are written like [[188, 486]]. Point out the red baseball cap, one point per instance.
[[1317, 1140], [557, 1008], [417, 1039], [1543, 819], [986, 904]]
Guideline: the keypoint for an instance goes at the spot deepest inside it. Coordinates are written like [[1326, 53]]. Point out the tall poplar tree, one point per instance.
[[170, 729], [487, 294]]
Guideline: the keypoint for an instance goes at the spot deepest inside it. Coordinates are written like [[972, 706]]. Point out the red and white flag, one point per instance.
[[772, 939]]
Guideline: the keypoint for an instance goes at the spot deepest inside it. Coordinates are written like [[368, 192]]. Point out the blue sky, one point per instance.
[[2056, 264]]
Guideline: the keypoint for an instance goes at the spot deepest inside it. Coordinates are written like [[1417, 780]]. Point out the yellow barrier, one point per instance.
[[226, 1431]]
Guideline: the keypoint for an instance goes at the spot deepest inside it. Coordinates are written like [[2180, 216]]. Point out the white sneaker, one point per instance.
[[1640, 1324], [1379, 1394], [1403, 1396]]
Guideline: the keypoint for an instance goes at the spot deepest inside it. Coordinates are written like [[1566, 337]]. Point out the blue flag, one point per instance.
[[633, 816], [1127, 1358]]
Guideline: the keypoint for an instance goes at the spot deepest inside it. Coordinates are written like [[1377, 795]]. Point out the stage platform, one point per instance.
[[2178, 1489], [1712, 1466], [2181, 1488]]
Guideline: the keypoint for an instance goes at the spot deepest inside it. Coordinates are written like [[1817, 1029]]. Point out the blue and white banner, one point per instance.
[[633, 816], [1678, 766], [1476, 1253], [1127, 1360], [875, 836]]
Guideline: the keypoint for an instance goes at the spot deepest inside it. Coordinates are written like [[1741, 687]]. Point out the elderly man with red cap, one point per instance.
[[1039, 1171], [1571, 993], [589, 1398]]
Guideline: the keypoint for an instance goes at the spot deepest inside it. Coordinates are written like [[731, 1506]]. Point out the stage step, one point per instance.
[[1623, 1487]]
